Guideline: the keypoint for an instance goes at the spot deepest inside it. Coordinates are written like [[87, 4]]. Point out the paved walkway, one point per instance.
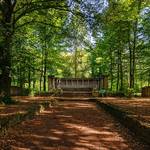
[[71, 126]]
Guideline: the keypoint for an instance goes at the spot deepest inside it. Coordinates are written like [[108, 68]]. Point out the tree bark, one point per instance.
[[5, 46], [111, 70], [45, 68], [118, 72], [75, 63], [133, 52], [29, 78]]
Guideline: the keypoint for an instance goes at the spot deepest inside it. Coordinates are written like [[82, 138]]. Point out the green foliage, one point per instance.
[[102, 92], [95, 92], [130, 92], [51, 92], [81, 39], [7, 100]]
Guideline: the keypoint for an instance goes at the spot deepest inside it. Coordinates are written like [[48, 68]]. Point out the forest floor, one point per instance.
[[71, 126], [138, 108], [24, 103]]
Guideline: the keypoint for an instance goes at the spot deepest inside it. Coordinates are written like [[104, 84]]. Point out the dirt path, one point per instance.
[[70, 126]]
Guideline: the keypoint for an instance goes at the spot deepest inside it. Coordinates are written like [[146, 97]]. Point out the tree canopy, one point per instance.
[[74, 38]]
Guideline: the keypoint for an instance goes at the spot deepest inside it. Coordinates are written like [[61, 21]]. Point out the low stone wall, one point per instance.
[[146, 91], [17, 91], [139, 129], [43, 94], [8, 121], [75, 83]]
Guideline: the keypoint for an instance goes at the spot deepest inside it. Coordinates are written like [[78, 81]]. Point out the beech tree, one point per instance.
[[13, 15], [95, 37]]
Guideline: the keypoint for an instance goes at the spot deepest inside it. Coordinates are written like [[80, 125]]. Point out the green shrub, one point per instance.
[[7, 100], [51, 92], [102, 92], [95, 92], [129, 92]]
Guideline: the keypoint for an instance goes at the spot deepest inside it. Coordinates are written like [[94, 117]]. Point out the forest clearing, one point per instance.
[[74, 74]]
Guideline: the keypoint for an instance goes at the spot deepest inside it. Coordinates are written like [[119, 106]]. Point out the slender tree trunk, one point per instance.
[[149, 79], [131, 73], [75, 63], [92, 65], [121, 71], [29, 78], [41, 75], [34, 80], [41, 72], [18, 77], [135, 29], [118, 73], [21, 77], [111, 70], [45, 68], [134, 53]]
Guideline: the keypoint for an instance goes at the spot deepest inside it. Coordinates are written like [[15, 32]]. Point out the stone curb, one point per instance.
[[11, 120], [139, 129]]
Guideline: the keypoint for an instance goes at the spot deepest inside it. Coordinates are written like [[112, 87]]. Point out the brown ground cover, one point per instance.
[[70, 126], [138, 108], [24, 103]]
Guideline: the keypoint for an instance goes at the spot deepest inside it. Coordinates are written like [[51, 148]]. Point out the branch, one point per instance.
[[39, 5], [30, 10], [31, 3], [39, 22]]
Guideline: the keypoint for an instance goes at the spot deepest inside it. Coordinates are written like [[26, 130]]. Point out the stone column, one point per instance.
[[101, 82], [105, 83], [51, 82]]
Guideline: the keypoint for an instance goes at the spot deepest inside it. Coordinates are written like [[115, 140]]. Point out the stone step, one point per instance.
[[77, 89], [77, 94], [75, 98]]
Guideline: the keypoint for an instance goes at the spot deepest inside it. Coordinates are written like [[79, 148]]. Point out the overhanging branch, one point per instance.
[[38, 22]]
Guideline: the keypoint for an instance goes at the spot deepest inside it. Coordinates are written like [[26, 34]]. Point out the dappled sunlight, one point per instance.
[[13, 113], [75, 126], [139, 108], [83, 129], [64, 116], [12, 109], [113, 139], [27, 99]]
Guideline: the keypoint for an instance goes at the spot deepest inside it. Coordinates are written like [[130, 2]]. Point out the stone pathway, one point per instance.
[[70, 126]]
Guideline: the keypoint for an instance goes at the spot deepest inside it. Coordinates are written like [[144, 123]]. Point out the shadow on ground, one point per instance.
[[71, 126]]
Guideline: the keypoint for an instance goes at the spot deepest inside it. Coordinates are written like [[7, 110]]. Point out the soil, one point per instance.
[[71, 126], [24, 103], [138, 108]]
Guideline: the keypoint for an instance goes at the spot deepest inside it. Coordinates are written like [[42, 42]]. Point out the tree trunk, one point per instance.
[[34, 80], [41, 79], [118, 74], [75, 63], [5, 46], [41, 75], [131, 73], [134, 52], [135, 29], [29, 78], [92, 65], [121, 71], [45, 68], [148, 79], [5, 80], [111, 70]]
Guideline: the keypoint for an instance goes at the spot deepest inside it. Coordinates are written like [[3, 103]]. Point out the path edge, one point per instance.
[[139, 129]]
